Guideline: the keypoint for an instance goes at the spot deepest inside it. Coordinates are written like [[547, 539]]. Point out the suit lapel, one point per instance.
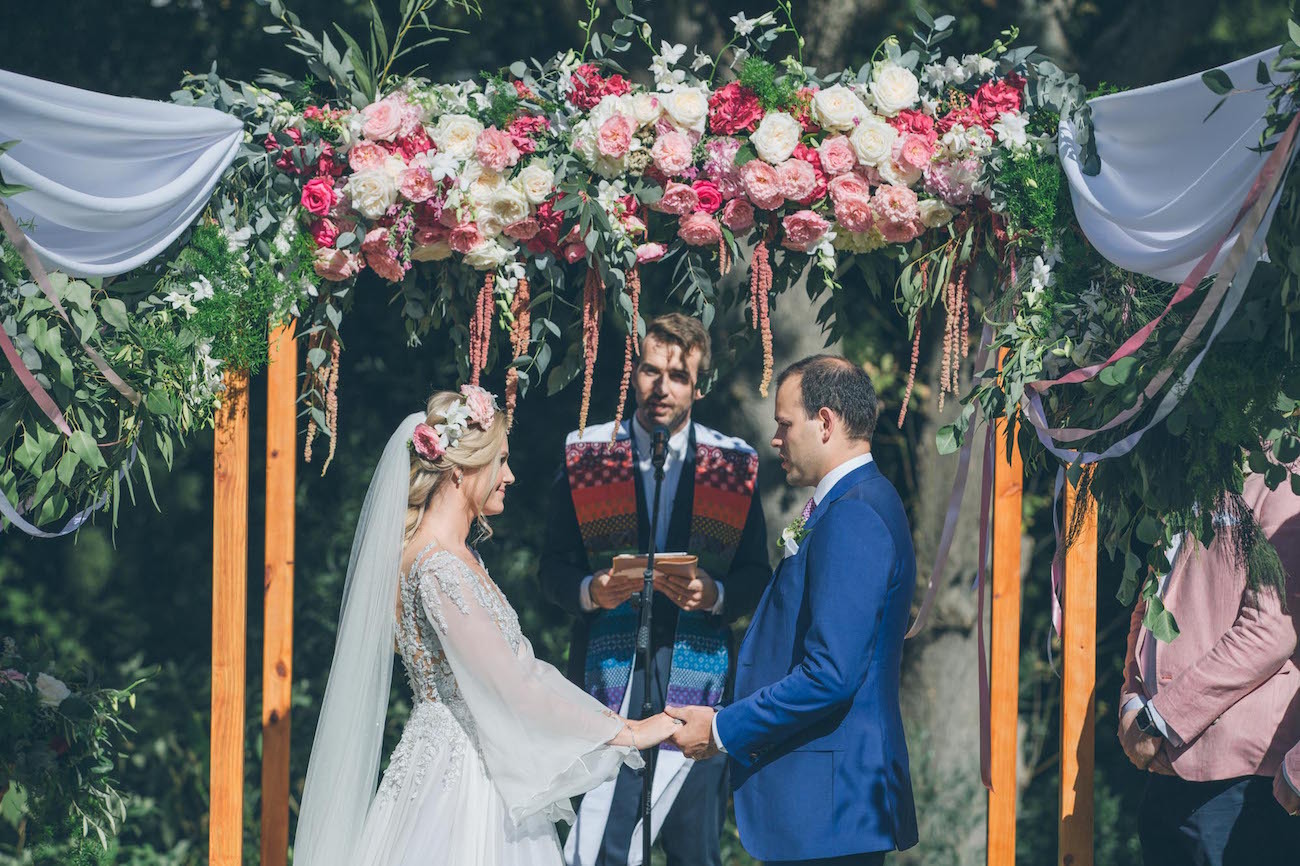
[[844, 485]]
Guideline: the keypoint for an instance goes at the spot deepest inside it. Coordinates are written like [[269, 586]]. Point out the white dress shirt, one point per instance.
[[675, 460], [828, 482]]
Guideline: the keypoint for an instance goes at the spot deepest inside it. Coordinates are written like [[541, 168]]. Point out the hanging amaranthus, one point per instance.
[[924, 270], [480, 330], [593, 304], [317, 384], [332, 403], [520, 334], [724, 258], [630, 349], [760, 288]]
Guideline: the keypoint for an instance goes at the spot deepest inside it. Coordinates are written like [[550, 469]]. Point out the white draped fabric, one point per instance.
[[1171, 181], [113, 180]]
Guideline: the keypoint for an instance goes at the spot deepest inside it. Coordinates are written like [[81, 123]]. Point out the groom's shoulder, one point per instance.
[[712, 438], [596, 433]]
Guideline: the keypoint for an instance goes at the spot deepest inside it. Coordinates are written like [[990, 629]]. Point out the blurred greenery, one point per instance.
[[143, 597]]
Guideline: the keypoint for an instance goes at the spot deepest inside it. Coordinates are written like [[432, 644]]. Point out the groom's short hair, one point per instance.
[[836, 383]]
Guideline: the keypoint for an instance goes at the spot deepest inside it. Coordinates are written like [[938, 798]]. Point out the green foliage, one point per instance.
[[1031, 184], [774, 92]]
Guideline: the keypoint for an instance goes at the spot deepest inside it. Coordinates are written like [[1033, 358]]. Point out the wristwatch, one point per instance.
[[1145, 723]]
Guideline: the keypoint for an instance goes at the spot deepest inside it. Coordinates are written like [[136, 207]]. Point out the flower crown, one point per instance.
[[477, 407]]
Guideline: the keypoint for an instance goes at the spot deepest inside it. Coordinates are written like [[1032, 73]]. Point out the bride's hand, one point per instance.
[[649, 733]]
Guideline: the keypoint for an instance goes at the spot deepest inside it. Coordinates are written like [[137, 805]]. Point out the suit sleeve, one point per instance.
[[1132, 686], [851, 569], [563, 563], [750, 567]]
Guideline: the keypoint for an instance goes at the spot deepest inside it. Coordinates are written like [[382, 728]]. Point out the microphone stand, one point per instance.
[[659, 451]]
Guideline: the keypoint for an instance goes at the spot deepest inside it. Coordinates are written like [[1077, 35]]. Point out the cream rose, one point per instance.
[[434, 252], [838, 109], [873, 141], [536, 181], [52, 690], [488, 256], [457, 134], [776, 137], [894, 88], [646, 108], [372, 192], [688, 107], [935, 213], [509, 205]]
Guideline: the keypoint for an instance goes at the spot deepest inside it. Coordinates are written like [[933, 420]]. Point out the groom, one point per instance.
[[815, 737]]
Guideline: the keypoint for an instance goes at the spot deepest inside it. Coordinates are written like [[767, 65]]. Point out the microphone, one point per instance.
[[659, 446]]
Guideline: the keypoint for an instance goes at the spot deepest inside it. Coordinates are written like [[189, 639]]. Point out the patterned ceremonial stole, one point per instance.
[[604, 496]]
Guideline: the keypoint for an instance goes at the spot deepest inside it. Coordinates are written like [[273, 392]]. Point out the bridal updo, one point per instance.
[[436, 459]]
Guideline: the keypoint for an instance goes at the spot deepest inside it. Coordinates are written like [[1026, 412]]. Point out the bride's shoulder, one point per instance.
[[419, 557]]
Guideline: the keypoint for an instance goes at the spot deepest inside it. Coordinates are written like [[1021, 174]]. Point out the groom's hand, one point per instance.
[[695, 737]]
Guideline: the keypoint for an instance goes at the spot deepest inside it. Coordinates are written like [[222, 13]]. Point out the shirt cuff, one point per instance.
[[1285, 775], [585, 600], [717, 740], [1133, 703], [716, 610], [1161, 726]]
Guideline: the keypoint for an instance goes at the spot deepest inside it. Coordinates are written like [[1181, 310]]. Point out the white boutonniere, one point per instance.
[[792, 535]]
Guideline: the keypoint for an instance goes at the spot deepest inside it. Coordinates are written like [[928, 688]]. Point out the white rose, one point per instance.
[[936, 213], [481, 190], [873, 141], [892, 172], [488, 256], [838, 109], [52, 690], [894, 88], [536, 181], [776, 137], [509, 205], [456, 134], [372, 192], [394, 165], [646, 108], [434, 252], [688, 107]]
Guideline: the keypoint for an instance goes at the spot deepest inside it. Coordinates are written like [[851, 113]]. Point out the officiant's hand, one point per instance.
[[609, 590], [695, 738], [697, 593]]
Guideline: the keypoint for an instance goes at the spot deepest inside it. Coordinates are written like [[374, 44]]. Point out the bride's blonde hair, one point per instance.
[[477, 448]]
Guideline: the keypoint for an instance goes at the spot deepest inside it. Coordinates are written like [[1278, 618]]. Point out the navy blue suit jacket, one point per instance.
[[819, 760]]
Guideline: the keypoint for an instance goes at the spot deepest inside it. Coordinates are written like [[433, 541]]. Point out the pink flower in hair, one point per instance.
[[481, 404], [426, 442]]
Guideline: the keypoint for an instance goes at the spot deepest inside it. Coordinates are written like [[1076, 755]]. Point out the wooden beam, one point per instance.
[[1004, 668], [277, 599], [229, 597], [1078, 681]]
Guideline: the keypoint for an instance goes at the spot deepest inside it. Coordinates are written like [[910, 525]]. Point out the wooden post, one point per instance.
[[1078, 682], [277, 636], [1004, 668], [229, 597]]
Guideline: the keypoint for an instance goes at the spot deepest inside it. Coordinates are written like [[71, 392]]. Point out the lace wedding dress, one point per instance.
[[498, 741]]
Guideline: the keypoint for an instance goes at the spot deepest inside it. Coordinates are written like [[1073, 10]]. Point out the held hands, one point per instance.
[[649, 733], [1141, 749], [695, 736], [697, 593]]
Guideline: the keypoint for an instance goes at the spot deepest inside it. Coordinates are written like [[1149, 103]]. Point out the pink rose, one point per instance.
[[796, 179], [738, 215], [614, 138], [803, 230], [912, 152], [710, 196], [650, 253], [909, 120], [574, 253], [428, 234], [762, 184], [523, 230], [381, 258], [672, 152], [838, 156], [336, 265], [426, 442], [319, 195], [324, 232], [734, 108], [382, 120], [678, 199], [495, 150], [854, 212], [365, 156], [896, 204], [900, 232], [699, 230], [481, 404], [465, 237], [416, 184], [851, 184]]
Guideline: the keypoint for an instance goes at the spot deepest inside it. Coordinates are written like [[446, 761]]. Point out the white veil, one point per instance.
[[344, 767]]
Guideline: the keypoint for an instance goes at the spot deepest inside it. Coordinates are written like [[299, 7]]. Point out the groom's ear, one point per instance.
[[829, 421]]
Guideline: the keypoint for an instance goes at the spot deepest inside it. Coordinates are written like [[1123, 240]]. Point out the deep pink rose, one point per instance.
[[414, 144], [838, 156], [426, 443], [574, 253], [365, 156], [336, 265], [465, 237], [523, 230], [710, 196], [803, 230], [382, 120], [911, 121], [738, 215], [734, 109], [324, 232], [796, 179], [900, 232], [319, 195], [650, 253], [614, 138], [993, 98], [416, 184], [762, 184], [495, 150], [678, 199], [481, 404], [699, 230], [672, 152], [854, 212]]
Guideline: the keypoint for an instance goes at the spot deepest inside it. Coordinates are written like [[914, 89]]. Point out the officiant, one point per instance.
[[709, 507]]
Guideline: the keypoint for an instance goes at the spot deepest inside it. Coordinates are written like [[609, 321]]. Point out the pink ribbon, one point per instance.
[[34, 389], [985, 703]]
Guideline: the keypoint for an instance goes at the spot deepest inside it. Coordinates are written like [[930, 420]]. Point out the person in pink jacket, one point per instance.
[[1212, 715]]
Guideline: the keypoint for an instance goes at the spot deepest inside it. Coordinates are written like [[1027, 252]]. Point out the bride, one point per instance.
[[498, 741]]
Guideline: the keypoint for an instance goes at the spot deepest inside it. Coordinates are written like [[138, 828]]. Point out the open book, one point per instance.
[[680, 564]]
